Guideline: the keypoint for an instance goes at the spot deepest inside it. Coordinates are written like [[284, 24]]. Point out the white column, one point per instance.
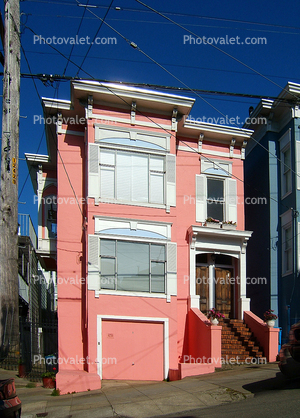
[[40, 188], [244, 302], [194, 300], [212, 288]]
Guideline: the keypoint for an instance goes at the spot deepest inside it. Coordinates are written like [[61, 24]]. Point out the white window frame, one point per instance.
[[223, 202], [150, 260], [230, 197], [117, 153], [94, 266], [169, 174]]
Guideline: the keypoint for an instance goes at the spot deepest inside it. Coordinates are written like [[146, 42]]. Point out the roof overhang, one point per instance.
[[119, 94], [33, 162], [213, 132], [288, 98]]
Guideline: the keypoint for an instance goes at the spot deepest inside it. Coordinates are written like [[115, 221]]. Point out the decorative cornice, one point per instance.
[[195, 230], [89, 109], [174, 119], [58, 104], [133, 111], [232, 147], [203, 127]]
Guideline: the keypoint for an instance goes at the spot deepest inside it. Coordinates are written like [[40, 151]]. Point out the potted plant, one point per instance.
[[270, 318], [214, 316], [22, 368], [212, 223], [48, 380], [229, 225]]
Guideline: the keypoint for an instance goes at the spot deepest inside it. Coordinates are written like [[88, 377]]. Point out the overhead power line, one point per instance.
[[96, 34], [189, 15], [82, 17], [187, 88], [56, 77]]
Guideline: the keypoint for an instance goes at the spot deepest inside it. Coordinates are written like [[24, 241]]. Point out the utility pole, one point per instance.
[[9, 285]]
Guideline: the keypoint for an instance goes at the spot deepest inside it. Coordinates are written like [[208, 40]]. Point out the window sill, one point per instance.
[[119, 202], [135, 294], [287, 273]]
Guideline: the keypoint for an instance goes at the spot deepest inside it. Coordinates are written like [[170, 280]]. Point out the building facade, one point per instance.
[[150, 232], [272, 173]]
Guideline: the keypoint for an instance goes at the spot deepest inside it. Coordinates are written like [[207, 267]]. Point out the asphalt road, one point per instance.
[[273, 398]]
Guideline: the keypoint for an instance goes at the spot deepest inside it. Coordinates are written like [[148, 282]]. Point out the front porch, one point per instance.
[[248, 341], [218, 280], [218, 270]]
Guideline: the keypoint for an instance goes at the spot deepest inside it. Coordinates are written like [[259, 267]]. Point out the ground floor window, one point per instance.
[[132, 266]]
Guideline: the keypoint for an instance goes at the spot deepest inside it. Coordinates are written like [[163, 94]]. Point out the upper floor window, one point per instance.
[[132, 177], [215, 198], [286, 164], [286, 175], [51, 215], [216, 194]]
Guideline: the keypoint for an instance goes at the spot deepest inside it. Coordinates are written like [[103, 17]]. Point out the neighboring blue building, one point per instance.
[[272, 191]]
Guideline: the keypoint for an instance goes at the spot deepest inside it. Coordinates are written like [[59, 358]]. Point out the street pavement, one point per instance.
[[136, 399]]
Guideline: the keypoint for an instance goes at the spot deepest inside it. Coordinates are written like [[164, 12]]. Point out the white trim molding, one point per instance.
[[217, 241]]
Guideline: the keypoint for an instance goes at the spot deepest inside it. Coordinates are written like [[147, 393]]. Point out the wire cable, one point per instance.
[[132, 44], [135, 46], [91, 44], [82, 17], [213, 46]]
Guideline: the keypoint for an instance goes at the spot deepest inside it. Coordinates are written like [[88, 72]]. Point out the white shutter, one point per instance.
[[171, 180], [231, 200], [94, 172], [201, 196], [93, 262], [171, 268], [298, 163]]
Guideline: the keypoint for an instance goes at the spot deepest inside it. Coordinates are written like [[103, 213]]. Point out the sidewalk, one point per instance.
[[147, 399]]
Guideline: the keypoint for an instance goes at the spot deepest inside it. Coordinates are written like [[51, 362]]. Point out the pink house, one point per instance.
[[134, 183]]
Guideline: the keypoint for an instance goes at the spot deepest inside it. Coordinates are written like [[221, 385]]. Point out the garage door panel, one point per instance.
[[132, 350]]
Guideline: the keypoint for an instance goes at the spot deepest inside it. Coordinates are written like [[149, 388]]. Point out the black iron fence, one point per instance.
[[38, 349]]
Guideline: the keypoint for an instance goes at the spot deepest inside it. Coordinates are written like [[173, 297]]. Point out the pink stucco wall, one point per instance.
[[267, 337], [78, 308], [204, 339]]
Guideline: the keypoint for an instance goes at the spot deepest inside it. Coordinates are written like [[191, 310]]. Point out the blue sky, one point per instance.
[[197, 66]]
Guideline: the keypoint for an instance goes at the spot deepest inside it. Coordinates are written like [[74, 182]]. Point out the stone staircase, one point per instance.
[[238, 342]]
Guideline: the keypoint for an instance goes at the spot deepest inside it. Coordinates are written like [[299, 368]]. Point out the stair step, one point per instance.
[[237, 341]]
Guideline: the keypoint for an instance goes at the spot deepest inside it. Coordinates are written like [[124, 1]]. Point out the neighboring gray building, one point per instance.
[[272, 187], [36, 296]]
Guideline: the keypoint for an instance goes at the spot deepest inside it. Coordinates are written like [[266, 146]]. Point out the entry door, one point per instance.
[[202, 287], [224, 291]]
